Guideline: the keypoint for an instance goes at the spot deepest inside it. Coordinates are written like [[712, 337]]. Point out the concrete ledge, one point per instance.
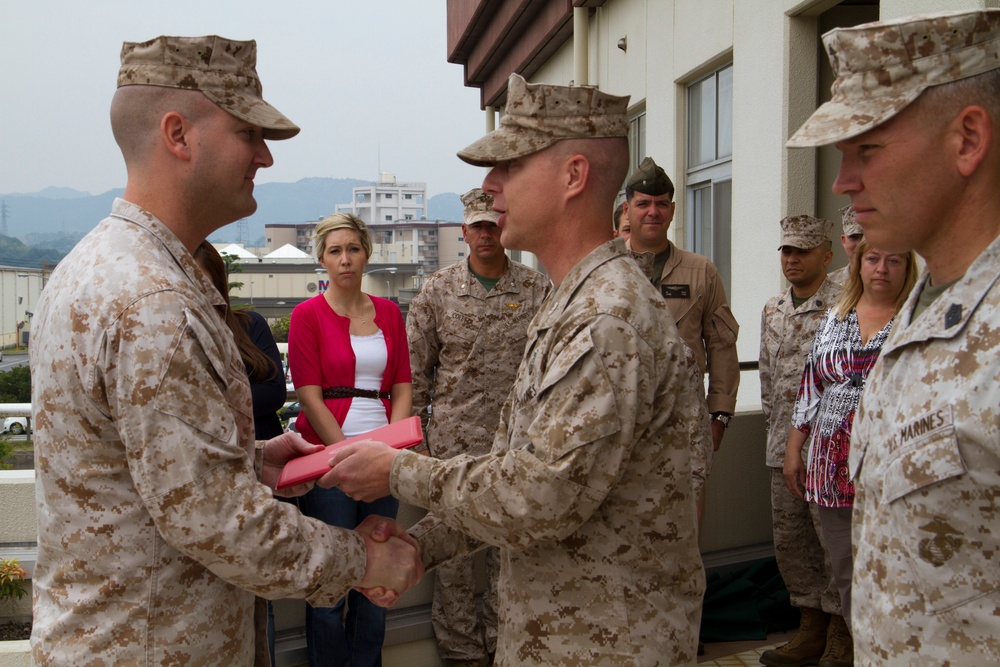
[[17, 521], [15, 654], [731, 559], [403, 626]]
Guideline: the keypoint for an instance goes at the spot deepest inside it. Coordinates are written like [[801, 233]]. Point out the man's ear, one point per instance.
[[174, 130], [974, 129], [577, 170]]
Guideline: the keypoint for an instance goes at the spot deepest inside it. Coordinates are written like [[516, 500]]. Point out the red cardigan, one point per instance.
[[320, 353]]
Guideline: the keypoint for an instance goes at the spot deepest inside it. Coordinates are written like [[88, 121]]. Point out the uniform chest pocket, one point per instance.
[[937, 513], [461, 327]]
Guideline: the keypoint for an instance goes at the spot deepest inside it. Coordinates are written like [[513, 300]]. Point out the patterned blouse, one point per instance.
[[829, 392]]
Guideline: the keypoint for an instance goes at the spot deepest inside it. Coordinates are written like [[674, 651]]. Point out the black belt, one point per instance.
[[354, 392]]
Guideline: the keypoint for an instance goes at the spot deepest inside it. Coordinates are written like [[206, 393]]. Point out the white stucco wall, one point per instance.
[[778, 80]]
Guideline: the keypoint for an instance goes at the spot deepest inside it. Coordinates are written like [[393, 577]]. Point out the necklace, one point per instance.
[[348, 315]]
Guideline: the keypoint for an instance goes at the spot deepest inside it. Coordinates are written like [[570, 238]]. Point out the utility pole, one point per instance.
[[243, 232]]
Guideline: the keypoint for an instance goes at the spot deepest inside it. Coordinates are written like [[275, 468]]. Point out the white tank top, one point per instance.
[[371, 357]]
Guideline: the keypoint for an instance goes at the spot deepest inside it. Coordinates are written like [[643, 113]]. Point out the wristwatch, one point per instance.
[[721, 417]]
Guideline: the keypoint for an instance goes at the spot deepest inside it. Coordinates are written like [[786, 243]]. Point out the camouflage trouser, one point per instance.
[[798, 548], [453, 612]]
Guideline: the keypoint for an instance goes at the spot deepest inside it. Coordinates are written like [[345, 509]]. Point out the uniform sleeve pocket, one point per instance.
[[192, 395], [581, 407], [725, 324], [581, 345]]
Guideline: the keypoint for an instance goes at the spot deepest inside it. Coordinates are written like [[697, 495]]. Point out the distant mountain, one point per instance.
[[446, 206], [53, 192], [59, 217]]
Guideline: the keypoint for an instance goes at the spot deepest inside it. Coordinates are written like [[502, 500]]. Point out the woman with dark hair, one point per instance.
[[350, 363], [256, 345], [261, 360], [847, 345]]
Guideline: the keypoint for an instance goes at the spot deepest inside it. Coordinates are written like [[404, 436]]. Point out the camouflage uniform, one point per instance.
[[153, 531], [465, 347], [588, 488], [787, 334], [925, 451], [840, 276], [925, 455]]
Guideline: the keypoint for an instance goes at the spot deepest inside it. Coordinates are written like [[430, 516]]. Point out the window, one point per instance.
[[636, 138], [388, 195], [709, 193], [388, 217], [407, 196], [408, 216]]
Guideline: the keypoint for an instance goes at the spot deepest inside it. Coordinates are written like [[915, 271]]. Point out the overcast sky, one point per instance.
[[368, 82]]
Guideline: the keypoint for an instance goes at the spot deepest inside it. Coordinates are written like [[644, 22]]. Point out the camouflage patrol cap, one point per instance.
[[478, 206], [882, 67], [650, 179], [223, 69], [804, 231], [538, 115], [850, 221]]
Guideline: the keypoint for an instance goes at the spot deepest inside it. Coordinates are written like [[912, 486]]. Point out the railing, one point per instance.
[[736, 529]]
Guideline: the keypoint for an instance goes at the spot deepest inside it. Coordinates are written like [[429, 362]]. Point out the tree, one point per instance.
[[232, 266], [15, 385], [279, 329]]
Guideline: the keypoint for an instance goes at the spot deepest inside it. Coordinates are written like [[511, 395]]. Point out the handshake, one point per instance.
[[394, 564], [362, 472]]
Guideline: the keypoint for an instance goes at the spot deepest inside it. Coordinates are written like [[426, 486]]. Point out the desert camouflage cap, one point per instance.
[[849, 219], [650, 179], [538, 115], [478, 206], [223, 69], [882, 67], [804, 231]]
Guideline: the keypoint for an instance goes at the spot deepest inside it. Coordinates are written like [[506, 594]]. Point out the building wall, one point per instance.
[[387, 201], [780, 75], [19, 292], [276, 236]]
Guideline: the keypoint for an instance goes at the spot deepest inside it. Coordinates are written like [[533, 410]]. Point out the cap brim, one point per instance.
[[275, 124], [491, 216], [504, 144], [799, 243], [837, 121]]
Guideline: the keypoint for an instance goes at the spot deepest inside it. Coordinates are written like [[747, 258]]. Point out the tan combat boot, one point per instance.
[[839, 645], [806, 647]]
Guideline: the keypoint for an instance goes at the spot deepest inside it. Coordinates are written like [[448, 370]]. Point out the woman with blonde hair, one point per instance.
[[847, 345], [350, 363]]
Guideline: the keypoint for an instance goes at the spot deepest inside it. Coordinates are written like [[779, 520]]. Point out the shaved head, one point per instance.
[[136, 112], [608, 158]]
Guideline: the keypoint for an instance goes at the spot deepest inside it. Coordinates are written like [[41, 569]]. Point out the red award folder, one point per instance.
[[401, 435]]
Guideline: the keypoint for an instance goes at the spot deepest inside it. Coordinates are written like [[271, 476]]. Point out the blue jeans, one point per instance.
[[332, 640]]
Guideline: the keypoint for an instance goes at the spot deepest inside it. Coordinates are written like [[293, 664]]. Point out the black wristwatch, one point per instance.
[[721, 417]]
